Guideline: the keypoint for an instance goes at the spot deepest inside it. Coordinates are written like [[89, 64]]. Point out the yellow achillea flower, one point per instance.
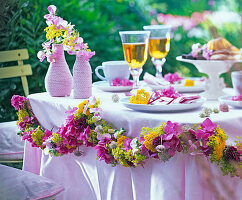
[[218, 149], [56, 138], [148, 141], [141, 97], [37, 136], [70, 147], [221, 133], [21, 114], [121, 140], [217, 142]]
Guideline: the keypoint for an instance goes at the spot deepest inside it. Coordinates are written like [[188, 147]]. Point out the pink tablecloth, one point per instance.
[[85, 177]]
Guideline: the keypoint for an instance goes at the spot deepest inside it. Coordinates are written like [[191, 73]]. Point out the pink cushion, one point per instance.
[[18, 184], [11, 145]]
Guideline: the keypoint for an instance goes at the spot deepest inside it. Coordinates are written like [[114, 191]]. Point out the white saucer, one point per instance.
[[228, 100], [162, 108], [106, 87], [199, 86]]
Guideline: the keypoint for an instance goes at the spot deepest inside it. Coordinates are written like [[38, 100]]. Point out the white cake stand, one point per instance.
[[213, 68]]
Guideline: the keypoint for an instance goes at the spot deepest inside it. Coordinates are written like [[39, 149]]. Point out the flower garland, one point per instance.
[[84, 126]]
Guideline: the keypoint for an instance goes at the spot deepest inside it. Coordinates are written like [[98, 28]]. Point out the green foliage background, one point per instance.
[[98, 21]]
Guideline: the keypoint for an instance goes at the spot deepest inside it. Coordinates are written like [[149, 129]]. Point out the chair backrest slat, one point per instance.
[[16, 71], [9, 72], [14, 55]]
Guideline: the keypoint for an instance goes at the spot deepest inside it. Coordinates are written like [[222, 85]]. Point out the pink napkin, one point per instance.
[[190, 99]]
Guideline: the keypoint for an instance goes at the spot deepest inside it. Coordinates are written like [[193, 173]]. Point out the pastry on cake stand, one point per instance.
[[213, 68]]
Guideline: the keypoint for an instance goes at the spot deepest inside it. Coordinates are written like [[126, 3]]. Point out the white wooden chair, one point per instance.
[[11, 146]]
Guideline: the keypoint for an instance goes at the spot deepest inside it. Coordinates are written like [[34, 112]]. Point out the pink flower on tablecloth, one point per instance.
[[232, 154], [47, 133], [170, 139], [26, 121], [170, 92], [84, 137], [172, 77], [75, 133], [102, 150], [27, 136], [18, 102], [156, 141], [173, 145], [171, 129], [71, 110], [126, 144], [143, 149], [202, 135], [208, 126], [121, 82]]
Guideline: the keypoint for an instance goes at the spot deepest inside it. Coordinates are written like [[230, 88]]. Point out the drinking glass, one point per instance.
[[135, 48], [159, 45]]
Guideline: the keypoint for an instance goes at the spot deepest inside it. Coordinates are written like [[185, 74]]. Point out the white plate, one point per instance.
[[105, 86], [162, 108], [228, 100], [199, 86]]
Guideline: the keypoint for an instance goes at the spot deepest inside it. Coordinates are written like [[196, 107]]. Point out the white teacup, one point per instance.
[[112, 70], [237, 81]]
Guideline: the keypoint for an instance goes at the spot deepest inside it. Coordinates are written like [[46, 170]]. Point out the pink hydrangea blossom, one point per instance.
[[26, 121], [75, 133], [102, 150], [208, 126], [126, 144], [202, 135], [18, 102], [156, 141], [173, 144], [171, 129], [170, 139]]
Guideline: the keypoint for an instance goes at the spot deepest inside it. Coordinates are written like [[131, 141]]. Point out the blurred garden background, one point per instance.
[[99, 21]]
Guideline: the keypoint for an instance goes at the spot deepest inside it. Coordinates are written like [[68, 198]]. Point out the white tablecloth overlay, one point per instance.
[[87, 178]]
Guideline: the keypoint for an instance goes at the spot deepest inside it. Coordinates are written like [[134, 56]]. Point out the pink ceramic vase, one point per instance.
[[58, 80], [82, 79]]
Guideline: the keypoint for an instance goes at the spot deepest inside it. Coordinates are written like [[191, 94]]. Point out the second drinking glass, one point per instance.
[[135, 48], [159, 45]]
